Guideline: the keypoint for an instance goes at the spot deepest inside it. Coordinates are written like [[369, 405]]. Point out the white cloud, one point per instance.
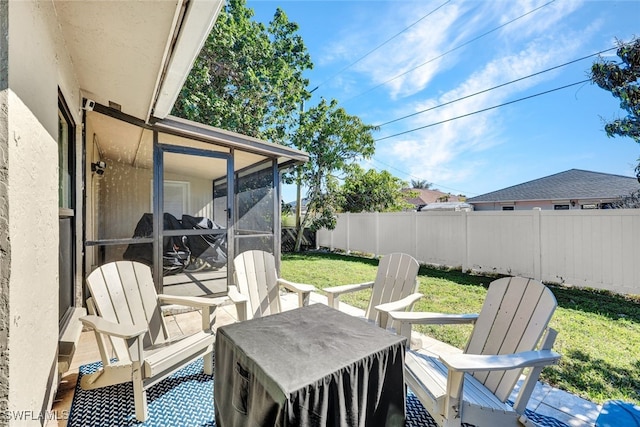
[[546, 18], [419, 44], [410, 62], [456, 150], [434, 153]]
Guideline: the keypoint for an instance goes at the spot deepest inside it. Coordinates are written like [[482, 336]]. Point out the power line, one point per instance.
[[449, 51], [483, 110], [494, 87], [418, 178], [380, 45]]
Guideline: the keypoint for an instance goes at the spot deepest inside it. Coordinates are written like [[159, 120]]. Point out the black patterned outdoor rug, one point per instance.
[[186, 399]]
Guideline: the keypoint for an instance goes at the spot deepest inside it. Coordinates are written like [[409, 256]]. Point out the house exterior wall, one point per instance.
[[517, 206], [124, 194], [37, 65], [542, 204]]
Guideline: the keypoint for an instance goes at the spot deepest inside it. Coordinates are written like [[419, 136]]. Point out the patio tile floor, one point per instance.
[[570, 409]]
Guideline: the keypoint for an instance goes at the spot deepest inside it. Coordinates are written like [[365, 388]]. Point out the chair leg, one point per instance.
[[303, 299], [139, 395], [332, 301], [208, 363], [109, 375]]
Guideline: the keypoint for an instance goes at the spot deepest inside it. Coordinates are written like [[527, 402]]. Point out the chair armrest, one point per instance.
[[407, 318], [399, 304], [206, 305], [235, 296], [197, 302], [343, 289], [406, 303], [502, 362], [240, 302], [296, 287], [333, 293], [426, 318], [303, 290], [114, 329]]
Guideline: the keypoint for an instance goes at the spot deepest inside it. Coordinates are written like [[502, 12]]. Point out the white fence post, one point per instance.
[[377, 235], [537, 243], [414, 221], [333, 247], [348, 248], [465, 233]]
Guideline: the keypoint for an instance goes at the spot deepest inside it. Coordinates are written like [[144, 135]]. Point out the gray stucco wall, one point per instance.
[[34, 66]]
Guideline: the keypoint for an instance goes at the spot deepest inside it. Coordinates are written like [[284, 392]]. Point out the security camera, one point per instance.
[[88, 104], [98, 167]]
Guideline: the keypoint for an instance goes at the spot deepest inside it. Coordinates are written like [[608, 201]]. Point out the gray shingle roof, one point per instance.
[[571, 184]]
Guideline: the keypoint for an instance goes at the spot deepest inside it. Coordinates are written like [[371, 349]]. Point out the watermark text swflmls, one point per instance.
[[18, 415]]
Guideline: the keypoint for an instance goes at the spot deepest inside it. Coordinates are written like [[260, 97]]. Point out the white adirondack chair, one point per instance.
[[394, 288], [257, 290], [472, 387], [129, 325]]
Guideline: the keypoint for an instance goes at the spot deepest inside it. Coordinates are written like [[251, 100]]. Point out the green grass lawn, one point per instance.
[[598, 332]]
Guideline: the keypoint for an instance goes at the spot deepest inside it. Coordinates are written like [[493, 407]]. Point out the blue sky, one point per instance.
[[383, 60]]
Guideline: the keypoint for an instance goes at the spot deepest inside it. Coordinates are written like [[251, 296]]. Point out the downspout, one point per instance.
[[5, 244], [83, 123]]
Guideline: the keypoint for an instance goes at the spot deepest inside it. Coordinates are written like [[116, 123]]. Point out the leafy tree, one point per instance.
[[622, 79], [334, 140], [248, 78], [421, 184], [285, 208], [372, 191], [630, 201]]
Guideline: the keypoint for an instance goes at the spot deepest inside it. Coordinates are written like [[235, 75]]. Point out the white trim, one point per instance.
[[192, 34]]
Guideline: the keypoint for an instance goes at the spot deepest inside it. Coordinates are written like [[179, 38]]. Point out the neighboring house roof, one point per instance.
[[303, 203], [425, 197], [571, 184]]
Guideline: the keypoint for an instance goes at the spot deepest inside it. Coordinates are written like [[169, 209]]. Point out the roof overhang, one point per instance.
[[129, 140], [135, 55], [213, 135]]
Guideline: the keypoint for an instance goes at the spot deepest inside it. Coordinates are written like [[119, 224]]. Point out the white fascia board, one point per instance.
[[194, 30]]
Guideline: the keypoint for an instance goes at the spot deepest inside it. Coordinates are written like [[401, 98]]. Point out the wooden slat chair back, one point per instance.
[[396, 278], [256, 278], [124, 293], [513, 319], [126, 315], [395, 288], [257, 286]]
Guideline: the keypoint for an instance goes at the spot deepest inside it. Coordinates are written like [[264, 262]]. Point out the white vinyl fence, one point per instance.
[[588, 248]]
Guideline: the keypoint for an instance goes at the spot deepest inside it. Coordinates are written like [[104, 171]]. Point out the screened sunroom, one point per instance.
[[179, 196]]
